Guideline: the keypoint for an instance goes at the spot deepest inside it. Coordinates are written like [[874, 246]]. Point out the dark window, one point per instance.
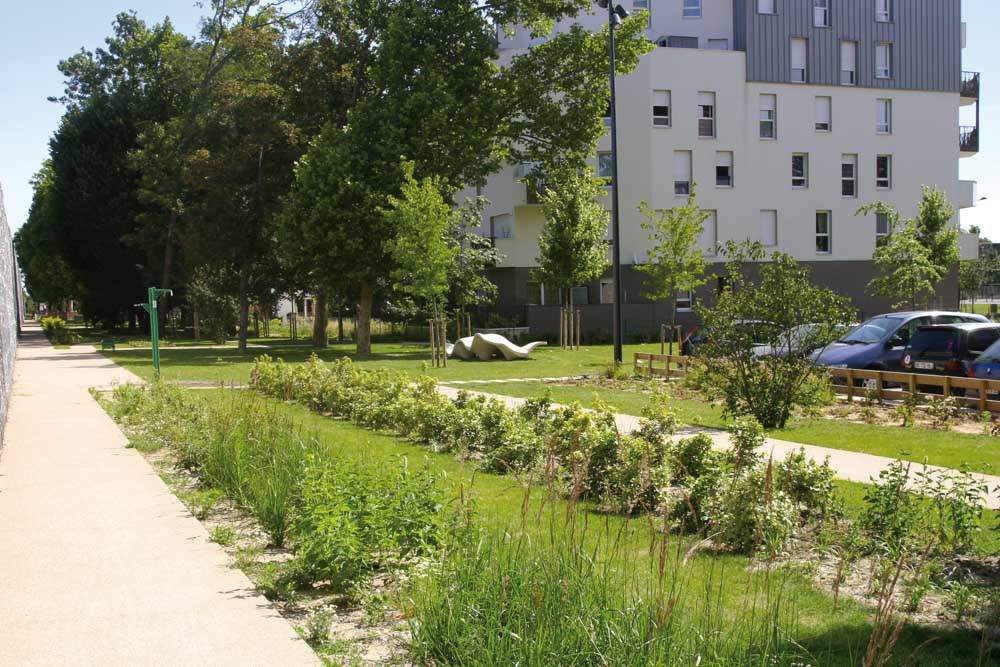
[[980, 340], [934, 341], [682, 42]]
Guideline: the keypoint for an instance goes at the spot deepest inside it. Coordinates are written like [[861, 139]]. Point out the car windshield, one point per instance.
[[872, 331], [934, 341], [992, 352]]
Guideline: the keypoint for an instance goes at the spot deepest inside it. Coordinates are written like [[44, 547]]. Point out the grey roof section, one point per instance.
[[926, 38]]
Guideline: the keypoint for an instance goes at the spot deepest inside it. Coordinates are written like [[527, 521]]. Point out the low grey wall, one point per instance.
[[10, 312]]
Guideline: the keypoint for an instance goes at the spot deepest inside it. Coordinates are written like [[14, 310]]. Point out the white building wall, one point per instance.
[[923, 145]]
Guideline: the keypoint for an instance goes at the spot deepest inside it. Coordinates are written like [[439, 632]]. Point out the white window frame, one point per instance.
[[801, 182], [883, 70], [706, 114], [507, 226], [881, 237], [710, 233], [721, 158], [769, 234], [768, 116], [688, 298], [827, 235], [541, 293], [606, 282], [821, 13], [848, 63], [828, 103], [601, 155], [883, 125], [661, 120], [769, 7], [691, 9], [851, 160], [682, 187], [883, 11], [800, 74], [883, 183]]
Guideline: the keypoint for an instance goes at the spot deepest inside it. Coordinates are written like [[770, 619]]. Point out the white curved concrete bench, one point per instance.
[[486, 346]]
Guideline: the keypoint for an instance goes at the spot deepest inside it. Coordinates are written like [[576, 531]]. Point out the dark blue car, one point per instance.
[[878, 343]]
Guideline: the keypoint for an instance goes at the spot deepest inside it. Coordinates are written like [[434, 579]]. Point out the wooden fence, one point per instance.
[[983, 394]]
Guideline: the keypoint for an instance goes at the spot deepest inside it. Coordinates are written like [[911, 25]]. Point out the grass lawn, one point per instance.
[[832, 637], [229, 365], [942, 448]]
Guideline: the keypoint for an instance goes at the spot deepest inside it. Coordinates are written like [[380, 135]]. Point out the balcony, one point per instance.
[[970, 88], [968, 140]]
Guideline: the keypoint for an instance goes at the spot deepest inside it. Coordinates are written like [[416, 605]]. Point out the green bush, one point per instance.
[[357, 518], [57, 331]]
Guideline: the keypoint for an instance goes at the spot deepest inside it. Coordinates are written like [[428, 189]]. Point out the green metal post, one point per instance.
[[154, 323]]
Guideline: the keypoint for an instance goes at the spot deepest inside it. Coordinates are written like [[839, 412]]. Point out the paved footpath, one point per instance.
[[850, 466], [99, 563]]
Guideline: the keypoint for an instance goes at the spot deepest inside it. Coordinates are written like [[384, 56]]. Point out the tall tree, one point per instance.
[[427, 85], [909, 272], [572, 246], [476, 255], [676, 261], [934, 228]]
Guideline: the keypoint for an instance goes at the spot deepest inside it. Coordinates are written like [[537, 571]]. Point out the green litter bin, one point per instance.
[[107, 344]]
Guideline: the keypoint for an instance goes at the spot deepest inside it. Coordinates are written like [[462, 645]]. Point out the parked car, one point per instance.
[[948, 349], [801, 340], [878, 343], [756, 329], [987, 365]]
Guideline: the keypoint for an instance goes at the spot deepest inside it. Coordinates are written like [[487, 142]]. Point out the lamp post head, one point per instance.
[[618, 15]]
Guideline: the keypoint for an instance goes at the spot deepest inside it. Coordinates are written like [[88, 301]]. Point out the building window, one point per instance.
[[849, 63], [643, 6], [821, 13], [769, 228], [824, 114], [684, 301], [718, 44], [692, 9], [706, 114], [849, 176], [682, 173], [536, 294], [883, 172], [682, 42], [883, 116], [768, 116], [800, 170], [607, 116], [799, 60], [883, 10], [881, 229], [883, 60], [823, 232], [607, 290], [710, 233], [661, 108], [765, 7], [581, 295], [724, 169], [502, 226], [604, 171]]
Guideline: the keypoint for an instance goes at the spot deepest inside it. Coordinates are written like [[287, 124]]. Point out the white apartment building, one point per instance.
[[787, 115]]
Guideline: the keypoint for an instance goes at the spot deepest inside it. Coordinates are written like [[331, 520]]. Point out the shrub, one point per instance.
[[57, 331], [808, 484], [747, 437], [356, 518]]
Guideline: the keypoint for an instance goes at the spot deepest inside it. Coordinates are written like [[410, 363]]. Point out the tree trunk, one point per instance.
[[363, 330], [244, 313], [196, 322], [320, 320], [673, 324], [340, 325], [256, 323]]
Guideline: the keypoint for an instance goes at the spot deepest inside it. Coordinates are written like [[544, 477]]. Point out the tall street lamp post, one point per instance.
[[615, 15]]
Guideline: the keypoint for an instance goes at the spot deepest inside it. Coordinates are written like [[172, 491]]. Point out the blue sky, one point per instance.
[[37, 35]]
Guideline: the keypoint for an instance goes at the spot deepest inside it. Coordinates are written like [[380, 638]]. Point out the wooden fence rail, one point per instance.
[[974, 392]]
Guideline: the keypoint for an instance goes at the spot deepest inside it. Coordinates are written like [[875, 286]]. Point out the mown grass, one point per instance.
[[229, 365], [725, 584], [949, 449]]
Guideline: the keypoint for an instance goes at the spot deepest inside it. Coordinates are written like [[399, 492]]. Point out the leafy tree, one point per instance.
[[476, 255], [421, 248], [909, 271], [572, 247], [676, 261], [426, 83], [934, 228], [210, 294], [762, 331]]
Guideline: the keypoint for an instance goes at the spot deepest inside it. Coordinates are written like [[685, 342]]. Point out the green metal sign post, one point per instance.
[[154, 322]]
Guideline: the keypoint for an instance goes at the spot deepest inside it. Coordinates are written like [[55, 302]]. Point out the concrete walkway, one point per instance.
[[99, 563], [850, 466]]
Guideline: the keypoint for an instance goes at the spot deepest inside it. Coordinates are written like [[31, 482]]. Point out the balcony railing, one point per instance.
[[968, 139], [970, 85]]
